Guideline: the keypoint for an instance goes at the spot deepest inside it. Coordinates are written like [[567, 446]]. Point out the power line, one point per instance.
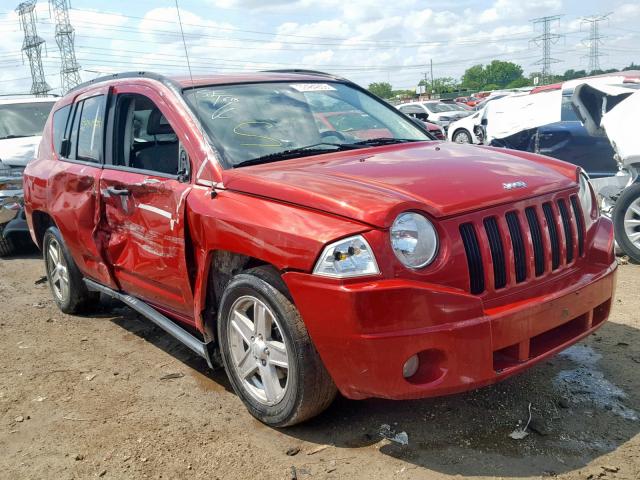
[[69, 68], [594, 39], [545, 40], [32, 47]]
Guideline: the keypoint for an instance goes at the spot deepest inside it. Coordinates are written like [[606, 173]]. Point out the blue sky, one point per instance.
[[364, 40]]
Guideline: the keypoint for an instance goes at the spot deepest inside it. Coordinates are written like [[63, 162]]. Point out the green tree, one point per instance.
[[519, 83], [502, 73], [497, 74], [633, 66], [381, 89], [474, 78]]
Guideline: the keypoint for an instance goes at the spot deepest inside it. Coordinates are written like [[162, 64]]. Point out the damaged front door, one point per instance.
[[144, 187]]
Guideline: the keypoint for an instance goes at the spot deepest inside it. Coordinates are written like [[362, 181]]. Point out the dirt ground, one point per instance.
[[112, 396]]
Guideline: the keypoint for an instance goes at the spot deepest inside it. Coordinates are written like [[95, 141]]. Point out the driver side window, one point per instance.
[[143, 138]]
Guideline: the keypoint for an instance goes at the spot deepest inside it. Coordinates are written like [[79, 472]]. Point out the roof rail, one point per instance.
[[115, 76], [302, 71]]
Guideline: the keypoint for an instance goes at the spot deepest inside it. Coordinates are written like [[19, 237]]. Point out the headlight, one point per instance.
[[585, 195], [414, 240], [349, 257]]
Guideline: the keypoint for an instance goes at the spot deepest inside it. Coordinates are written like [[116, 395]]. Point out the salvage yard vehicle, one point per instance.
[[21, 124], [434, 111], [610, 113], [308, 260]]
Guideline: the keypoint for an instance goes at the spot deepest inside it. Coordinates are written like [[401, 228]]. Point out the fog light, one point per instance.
[[410, 367]]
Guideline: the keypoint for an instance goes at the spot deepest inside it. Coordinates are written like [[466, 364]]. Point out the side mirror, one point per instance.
[[184, 166], [65, 147], [483, 122]]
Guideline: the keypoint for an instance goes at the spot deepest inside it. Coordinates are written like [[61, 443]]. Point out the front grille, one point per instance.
[[474, 257], [536, 239], [545, 234]]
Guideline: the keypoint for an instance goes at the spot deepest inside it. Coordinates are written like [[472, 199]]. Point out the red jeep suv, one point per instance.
[[309, 259]]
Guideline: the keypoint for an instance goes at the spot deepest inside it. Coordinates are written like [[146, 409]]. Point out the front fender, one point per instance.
[[286, 236]]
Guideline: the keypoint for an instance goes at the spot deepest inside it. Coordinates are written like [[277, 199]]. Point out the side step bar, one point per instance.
[[180, 334]]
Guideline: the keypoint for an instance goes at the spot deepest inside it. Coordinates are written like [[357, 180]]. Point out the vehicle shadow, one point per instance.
[[584, 404], [134, 323]]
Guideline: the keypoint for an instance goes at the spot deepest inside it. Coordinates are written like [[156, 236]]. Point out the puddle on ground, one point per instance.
[[587, 384]]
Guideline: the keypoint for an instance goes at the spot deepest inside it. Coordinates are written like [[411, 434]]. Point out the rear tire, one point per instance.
[[6, 245], [254, 351], [626, 221], [461, 136], [65, 280]]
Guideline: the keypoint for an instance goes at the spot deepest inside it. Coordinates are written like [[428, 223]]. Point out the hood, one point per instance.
[[373, 185], [17, 152], [611, 111]]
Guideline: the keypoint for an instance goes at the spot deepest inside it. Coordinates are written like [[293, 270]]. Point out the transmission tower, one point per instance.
[[545, 40], [32, 47], [69, 68], [594, 39]]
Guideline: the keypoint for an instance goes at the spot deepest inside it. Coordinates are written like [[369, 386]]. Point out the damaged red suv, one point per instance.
[[309, 259]]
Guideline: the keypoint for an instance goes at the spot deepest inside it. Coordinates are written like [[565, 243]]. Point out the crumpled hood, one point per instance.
[[373, 185], [17, 152], [611, 111]]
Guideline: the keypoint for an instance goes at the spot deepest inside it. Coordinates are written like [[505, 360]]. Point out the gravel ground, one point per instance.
[[112, 396]]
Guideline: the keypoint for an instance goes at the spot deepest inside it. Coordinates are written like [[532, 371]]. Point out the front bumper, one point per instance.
[[365, 332]]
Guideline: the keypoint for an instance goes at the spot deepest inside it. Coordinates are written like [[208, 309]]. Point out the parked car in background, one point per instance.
[[612, 112], [310, 260], [469, 101], [434, 111], [467, 130], [21, 124]]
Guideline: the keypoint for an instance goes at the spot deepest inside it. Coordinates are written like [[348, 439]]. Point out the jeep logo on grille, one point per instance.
[[512, 185]]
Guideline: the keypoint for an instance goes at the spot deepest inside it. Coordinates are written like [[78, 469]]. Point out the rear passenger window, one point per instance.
[[90, 130], [59, 123]]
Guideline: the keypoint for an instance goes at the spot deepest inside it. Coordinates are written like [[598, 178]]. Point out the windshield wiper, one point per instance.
[[385, 141], [296, 152]]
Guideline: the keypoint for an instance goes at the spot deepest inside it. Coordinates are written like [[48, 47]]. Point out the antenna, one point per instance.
[[184, 43]]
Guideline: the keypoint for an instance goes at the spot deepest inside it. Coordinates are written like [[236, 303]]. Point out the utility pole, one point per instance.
[[594, 39], [32, 47], [545, 40], [431, 66], [69, 68]]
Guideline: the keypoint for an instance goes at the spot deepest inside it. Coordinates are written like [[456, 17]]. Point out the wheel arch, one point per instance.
[[221, 266], [41, 221]]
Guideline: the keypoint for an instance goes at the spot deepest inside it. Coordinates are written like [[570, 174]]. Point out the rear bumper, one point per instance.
[[365, 332]]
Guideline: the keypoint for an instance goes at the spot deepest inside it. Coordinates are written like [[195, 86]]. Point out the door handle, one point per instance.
[[123, 192]]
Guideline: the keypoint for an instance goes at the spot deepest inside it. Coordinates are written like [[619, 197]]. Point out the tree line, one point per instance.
[[492, 76]]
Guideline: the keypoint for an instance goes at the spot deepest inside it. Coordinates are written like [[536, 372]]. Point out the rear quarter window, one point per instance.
[[90, 129], [60, 118]]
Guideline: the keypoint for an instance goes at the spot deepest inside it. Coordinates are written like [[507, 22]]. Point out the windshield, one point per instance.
[[441, 107], [251, 121], [23, 119]]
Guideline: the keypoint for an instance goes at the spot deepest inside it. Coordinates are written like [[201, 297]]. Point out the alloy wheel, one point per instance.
[[258, 348], [632, 223], [57, 270]]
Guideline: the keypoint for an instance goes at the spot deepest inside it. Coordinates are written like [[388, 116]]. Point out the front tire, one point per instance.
[[461, 136], [626, 221], [65, 280], [267, 353]]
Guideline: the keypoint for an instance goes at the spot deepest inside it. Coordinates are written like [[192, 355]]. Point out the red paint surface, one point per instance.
[[286, 212]]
